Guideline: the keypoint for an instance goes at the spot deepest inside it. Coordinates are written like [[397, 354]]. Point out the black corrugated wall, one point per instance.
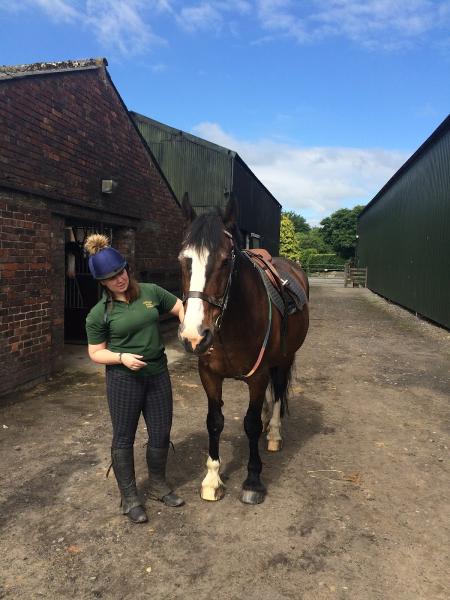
[[404, 235], [258, 211], [210, 173]]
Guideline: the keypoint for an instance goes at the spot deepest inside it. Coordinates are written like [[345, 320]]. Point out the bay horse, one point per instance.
[[229, 323]]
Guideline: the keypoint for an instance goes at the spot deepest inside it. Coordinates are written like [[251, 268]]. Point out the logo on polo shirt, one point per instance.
[[148, 304]]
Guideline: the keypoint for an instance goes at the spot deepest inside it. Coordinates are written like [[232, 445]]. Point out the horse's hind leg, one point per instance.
[[274, 439], [271, 422], [266, 413], [253, 490], [280, 377], [212, 486]]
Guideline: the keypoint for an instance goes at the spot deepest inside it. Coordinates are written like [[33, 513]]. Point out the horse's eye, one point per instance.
[[225, 262], [185, 262]]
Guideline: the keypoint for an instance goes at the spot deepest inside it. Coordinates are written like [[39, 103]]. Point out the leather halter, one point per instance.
[[219, 302]]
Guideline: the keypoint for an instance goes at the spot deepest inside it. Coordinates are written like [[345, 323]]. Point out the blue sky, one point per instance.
[[324, 99]]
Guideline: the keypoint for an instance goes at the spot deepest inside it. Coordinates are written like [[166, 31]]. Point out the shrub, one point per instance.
[[289, 247], [306, 254], [320, 262]]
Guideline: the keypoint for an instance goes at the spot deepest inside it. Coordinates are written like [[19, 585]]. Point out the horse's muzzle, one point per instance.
[[198, 345]]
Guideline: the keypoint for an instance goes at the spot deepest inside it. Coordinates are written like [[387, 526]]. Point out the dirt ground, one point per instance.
[[358, 499]]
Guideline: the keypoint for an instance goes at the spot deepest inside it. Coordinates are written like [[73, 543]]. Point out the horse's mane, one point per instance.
[[206, 231]]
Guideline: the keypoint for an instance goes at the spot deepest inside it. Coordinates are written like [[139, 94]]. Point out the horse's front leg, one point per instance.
[[212, 486], [253, 490]]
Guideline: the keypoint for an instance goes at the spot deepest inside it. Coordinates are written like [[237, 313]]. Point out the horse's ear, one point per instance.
[[188, 211], [231, 212]]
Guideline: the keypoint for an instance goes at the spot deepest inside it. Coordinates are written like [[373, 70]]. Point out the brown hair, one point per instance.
[[133, 292]]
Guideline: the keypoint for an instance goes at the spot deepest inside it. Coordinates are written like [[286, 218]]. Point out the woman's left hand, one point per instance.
[[132, 361]]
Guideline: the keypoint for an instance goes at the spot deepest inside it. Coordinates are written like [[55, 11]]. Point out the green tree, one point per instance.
[[339, 230], [289, 246], [313, 239], [299, 222]]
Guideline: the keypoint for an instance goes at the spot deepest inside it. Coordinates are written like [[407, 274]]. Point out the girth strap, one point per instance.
[[266, 338]]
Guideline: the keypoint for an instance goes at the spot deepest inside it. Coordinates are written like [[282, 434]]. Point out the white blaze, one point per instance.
[[194, 315]]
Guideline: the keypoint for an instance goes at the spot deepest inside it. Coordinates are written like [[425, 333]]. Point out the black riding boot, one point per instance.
[[159, 490], [123, 466]]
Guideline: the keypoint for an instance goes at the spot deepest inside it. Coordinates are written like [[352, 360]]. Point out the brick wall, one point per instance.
[[61, 134], [30, 304]]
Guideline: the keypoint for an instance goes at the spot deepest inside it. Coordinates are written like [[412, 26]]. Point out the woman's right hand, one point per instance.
[[132, 361]]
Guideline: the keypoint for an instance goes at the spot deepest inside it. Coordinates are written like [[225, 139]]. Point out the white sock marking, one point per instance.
[[212, 479], [274, 429]]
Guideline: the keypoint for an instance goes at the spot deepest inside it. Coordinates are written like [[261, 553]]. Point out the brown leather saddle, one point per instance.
[[263, 259], [283, 291], [292, 295]]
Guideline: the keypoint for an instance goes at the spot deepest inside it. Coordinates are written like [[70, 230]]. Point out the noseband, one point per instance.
[[221, 302]]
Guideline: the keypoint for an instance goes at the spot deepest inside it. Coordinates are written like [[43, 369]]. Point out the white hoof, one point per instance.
[[212, 494], [274, 445]]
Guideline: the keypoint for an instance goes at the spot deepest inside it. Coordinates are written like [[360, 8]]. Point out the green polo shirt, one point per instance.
[[133, 327]]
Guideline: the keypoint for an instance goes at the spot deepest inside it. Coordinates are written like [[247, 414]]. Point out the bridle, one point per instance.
[[222, 301]]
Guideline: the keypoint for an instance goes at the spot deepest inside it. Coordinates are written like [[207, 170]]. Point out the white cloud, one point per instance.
[[371, 23], [119, 25], [384, 24], [280, 16], [313, 181], [58, 10], [203, 16], [213, 15], [130, 25]]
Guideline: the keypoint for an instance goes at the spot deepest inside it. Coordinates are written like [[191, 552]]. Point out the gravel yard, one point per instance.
[[357, 505]]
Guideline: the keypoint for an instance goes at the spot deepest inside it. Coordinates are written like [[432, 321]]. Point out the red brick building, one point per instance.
[[65, 132]]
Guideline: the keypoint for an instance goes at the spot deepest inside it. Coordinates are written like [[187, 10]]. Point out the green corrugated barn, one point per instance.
[[404, 232], [210, 173]]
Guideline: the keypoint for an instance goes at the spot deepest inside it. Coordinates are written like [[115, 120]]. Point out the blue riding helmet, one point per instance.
[[106, 263]]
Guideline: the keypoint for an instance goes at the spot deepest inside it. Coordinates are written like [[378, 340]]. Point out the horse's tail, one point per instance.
[[280, 382]]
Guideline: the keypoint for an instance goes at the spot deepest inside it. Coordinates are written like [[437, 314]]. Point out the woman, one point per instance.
[[123, 334]]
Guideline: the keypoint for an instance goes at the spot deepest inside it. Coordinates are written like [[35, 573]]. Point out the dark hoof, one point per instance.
[[137, 515], [252, 497], [172, 500]]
